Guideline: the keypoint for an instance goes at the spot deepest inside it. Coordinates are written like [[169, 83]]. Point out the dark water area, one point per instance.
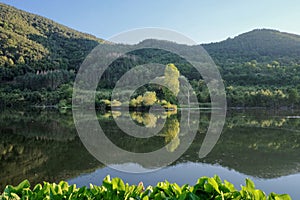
[[43, 145]]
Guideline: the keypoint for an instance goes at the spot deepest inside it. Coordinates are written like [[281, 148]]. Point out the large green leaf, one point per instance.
[[212, 185], [118, 184], [115, 189], [250, 184]]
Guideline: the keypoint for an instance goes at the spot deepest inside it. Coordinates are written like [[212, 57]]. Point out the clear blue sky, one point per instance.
[[201, 20]]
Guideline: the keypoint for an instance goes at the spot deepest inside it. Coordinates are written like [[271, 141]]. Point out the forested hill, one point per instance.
[[39, 60], [262, 45], [29, 43], [259, 68]]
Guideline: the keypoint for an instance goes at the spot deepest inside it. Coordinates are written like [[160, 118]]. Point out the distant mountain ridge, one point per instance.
[[263, 45]]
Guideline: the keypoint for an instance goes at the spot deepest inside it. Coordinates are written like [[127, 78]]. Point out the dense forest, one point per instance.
[[259, 68], [39, 60]]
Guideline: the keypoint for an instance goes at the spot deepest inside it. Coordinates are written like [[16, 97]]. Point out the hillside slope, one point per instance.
[[29, 43], [39, 60], [263, 45]]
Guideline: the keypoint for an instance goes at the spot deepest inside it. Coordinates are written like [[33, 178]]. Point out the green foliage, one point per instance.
[[149, 98], [261, 96], [293, 96], [38, 55], [17, 98], [172, 78], [261, 45], [257, 61], [115, 103], [205, 188], [45, 79], [140, 102], [34, 42]]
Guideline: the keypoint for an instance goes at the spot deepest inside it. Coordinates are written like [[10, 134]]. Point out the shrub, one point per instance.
[[205, 188]]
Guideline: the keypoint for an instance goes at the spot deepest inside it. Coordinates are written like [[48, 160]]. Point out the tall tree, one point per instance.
[[171, 81], [172, 78]]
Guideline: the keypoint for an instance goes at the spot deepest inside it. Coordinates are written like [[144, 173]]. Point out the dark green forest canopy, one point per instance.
[[39, 60], [262, 45]]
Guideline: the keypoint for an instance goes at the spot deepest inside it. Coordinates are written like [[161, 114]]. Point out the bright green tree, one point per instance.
[[149, 98], [172, 78], [171, 81]]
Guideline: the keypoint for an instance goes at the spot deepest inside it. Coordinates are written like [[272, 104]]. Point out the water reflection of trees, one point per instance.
[[259, 144], [41, 124], [170, 130], [44, 145], [263, 120], [149, 120], [40, 159]]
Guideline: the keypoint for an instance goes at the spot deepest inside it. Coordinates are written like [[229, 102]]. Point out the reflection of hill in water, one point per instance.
[[48, 125], [40, 147], [50, 150], [42, 160], [259, 152], [254, 144], [262, 144]]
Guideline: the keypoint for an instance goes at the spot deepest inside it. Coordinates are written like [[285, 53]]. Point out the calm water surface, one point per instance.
[[262, 145]]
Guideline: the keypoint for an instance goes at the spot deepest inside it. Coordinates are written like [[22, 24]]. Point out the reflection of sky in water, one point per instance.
[[254, 142], [189, 173]]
